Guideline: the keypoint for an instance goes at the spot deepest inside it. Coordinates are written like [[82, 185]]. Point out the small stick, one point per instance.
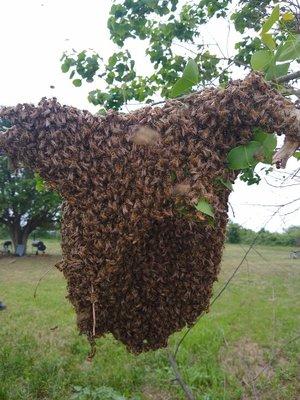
[[93, 310], [39, 281], [91, 338], [187, 391], [92, 352]]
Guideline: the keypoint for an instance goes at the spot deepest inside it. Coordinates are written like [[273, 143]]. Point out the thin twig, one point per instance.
[[232, 210], [281, 186], [184, 336], [93, 310], [187, 391], [40, 279], [271, 205], [257, 252]]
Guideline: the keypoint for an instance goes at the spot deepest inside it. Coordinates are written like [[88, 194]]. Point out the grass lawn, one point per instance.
[[242, 349]]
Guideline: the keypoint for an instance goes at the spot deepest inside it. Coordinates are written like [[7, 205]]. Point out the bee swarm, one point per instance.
[[139, 259]]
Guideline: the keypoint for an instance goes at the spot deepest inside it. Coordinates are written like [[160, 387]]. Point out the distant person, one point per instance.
[[2, 306]]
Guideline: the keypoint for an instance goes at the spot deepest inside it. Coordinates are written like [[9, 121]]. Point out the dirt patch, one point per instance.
[[154, 393], [245, 360]]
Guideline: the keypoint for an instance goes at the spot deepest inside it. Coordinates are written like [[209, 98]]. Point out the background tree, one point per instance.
[[238, 234], [233, 233], [24, 203]]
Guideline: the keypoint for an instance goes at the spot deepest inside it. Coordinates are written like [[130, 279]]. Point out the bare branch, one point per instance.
[[40, 279], [287, 150], [272, 205], [187, 391], [288, 77]]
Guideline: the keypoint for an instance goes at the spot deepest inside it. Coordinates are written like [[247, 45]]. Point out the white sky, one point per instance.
[[35, 33]]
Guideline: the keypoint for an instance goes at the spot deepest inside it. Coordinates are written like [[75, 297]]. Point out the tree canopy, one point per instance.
[[269, 42], [24, 203]]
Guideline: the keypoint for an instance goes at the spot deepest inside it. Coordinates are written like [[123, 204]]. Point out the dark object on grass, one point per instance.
[[7, 246], [295, 254], [139, 258], [40, 246], [2, 306]]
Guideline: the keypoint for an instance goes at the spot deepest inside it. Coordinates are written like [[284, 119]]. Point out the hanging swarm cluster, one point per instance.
[[140, 260]]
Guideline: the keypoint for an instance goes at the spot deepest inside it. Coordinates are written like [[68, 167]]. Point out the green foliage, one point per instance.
[[227, 184], [290, 49], [204, 207], [167, 25], [270, 21], [233, 233], [249, 176], [269, 60], [246, 157], [100, 393], [290, 237], [77, 82], [261, 59], [25, 203], [3, 232], [190, 78], [19, 194], [39, 183]]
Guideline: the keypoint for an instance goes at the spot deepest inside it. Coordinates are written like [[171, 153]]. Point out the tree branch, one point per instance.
[[187, 391], [288, 77], [285, 152]]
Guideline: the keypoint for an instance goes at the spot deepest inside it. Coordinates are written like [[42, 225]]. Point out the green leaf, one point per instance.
[[190, 77], [39, 183], [77, 82], [297, 155], [268, 40], [65, 66], [290, 50], [180, 87], [275, 71], [227, 184], [274, 17], [204, 207], [191, 72], [288, 16], [242, 157], [268, 142], [259, 135], [261, 59], [81, 56], [269, 145]]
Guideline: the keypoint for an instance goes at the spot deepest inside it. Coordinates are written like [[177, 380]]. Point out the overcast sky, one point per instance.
[[35, 33]]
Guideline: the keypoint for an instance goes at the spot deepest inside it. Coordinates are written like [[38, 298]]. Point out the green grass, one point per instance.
[[247, 330]]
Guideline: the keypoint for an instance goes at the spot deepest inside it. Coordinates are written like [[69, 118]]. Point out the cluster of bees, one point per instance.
[[139, 258]]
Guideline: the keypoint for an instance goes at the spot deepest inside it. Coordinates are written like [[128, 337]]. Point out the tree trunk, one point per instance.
[[19, 235]]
